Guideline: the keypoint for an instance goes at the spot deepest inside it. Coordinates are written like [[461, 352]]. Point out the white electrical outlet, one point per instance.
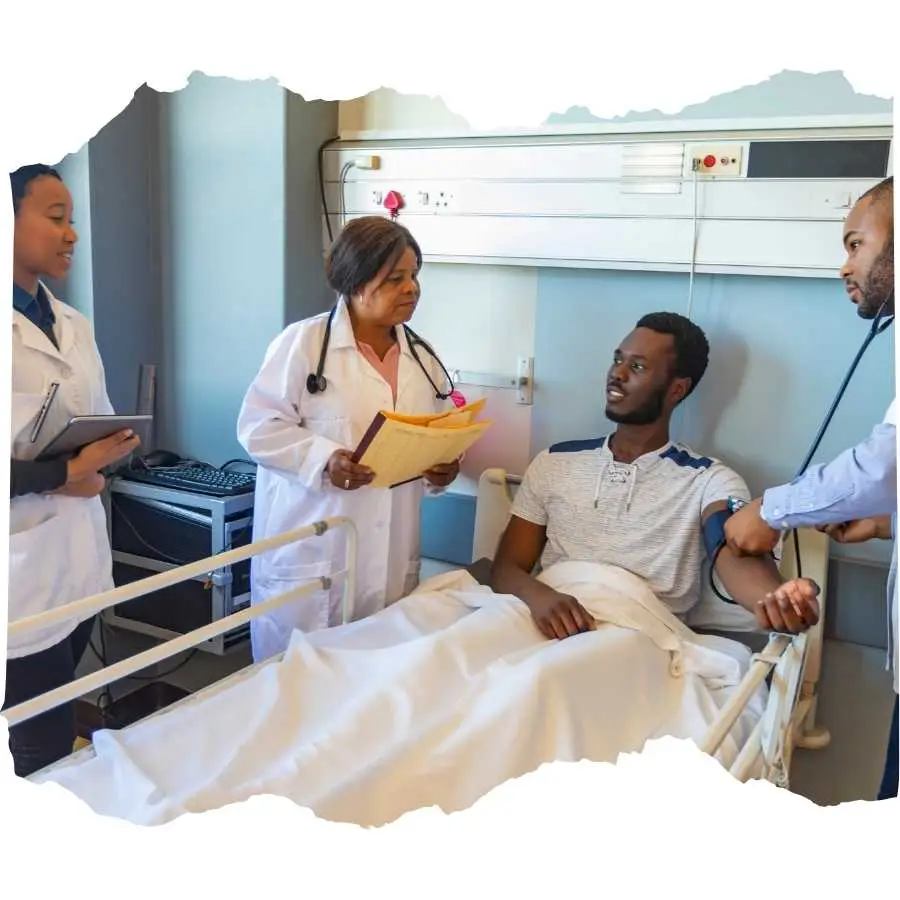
[[714, 159], [377, 198], [434, 199]]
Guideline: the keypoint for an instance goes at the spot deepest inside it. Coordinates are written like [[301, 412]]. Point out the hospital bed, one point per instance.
[[790, 664]]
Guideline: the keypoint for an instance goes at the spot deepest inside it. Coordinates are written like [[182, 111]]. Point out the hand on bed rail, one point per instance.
[[791, 608]]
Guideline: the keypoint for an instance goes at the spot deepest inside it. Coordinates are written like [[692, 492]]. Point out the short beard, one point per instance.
[[649, 413], [879, 287]]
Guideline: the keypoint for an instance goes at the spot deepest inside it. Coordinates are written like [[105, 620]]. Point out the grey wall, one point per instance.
[[307, 126], [127, 286], [115, 278], [200, 239]]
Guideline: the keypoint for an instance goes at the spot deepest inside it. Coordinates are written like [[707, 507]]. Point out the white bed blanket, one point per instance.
[[435, 701]]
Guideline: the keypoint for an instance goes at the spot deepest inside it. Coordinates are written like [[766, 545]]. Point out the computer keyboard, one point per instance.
[[197, 479]]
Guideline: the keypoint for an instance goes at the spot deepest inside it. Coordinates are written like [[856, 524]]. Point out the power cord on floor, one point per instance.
[[105, 699]]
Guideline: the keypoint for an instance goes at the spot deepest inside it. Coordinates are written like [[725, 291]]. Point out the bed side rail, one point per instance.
[[90, 605]]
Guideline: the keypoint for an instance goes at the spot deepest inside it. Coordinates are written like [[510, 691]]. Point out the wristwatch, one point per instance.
[[735, 503]]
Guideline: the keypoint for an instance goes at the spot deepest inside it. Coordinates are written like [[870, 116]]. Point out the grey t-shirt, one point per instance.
[[644, 517]]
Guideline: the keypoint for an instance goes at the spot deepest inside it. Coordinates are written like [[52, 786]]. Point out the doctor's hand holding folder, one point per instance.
[[397, 449]]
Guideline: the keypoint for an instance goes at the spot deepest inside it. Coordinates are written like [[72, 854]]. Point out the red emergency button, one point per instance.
[[709, 161]]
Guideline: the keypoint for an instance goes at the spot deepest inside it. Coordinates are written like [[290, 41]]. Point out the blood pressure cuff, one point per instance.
[[714, 532], [714, 539]]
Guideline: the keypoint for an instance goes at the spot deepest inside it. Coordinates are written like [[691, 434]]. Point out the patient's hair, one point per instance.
[[22, 177], [362, 249], [691, 346]]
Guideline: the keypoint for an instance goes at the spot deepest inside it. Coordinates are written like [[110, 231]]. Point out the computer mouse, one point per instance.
[[161, 458]]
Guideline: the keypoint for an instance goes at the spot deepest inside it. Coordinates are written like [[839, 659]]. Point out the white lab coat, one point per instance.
[[58, 546], [291, 434]]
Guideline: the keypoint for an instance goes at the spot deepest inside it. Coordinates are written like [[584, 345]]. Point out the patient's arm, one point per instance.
[[556, 615], [752, 581]]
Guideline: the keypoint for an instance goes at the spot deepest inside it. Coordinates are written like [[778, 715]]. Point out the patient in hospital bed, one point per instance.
[[452, 691], [639, 501]]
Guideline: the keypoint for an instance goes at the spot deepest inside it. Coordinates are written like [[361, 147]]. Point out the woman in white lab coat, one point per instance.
[[300, 423], [58, 545]]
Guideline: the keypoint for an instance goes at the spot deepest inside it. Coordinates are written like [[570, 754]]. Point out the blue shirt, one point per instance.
[[36, 308], [858, 484]]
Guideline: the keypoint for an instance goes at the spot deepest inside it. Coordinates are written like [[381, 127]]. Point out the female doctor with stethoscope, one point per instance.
[[322, 382], [58, 546]]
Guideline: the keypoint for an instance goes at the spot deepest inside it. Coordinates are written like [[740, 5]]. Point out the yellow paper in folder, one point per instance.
[[399, 448], [449, 419]]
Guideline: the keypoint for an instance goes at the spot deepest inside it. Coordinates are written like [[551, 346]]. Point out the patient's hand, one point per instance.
[[792, 607], [559, 616]]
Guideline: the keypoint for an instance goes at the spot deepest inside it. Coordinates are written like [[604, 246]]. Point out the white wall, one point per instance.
[[624, 201], [481, 320]]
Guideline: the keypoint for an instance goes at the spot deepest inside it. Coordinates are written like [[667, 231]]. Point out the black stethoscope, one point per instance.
[[883, 320], [316, 383]]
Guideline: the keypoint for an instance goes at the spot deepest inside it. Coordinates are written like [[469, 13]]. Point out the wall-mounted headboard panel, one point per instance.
[[763, 202]]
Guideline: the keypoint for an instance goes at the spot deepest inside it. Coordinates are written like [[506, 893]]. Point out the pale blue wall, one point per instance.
[[77, 290], [223, 252], [779, 348], [241, 245]]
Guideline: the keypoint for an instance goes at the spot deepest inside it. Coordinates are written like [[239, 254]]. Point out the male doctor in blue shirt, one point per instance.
[[854, 497]]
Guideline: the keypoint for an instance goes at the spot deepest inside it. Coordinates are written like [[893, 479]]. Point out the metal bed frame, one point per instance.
[[792, 661]]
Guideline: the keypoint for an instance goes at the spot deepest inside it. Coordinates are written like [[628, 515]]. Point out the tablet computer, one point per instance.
[[83, 430]]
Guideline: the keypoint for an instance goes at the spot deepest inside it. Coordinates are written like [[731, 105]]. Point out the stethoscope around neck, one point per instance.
[[316, 382]]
